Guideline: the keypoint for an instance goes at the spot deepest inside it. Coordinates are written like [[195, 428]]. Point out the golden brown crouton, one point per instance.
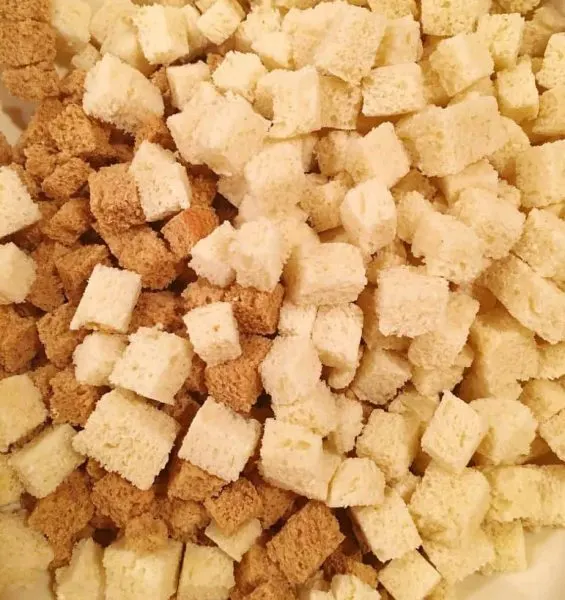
[[70, 222], [5, 151], [47, 290], [201, 292], [59, 341], [188, 227], [189, 482], [72, 402], [37, 131], [204, 185], [66, 180], [26, 43], [272, 591], [256, 312], [145, 533], [32, 82], [236, 504], [41, 161], [305, 541], [340, 563], [41, 377], [185, 519], [19, 341], [72, 87], [156, 308], [161, 81], [277, 503], [255, 569], [95, 470], [154, 130], [21, 10], [196, 380], [183, 410]]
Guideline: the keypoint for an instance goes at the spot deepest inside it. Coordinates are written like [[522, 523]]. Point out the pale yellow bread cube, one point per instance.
[[410, 577], [340, 103], [18, 274], [349, 426], [86, 58], [553, 432], [206, 574], [509, 547], [357, 482], [452, 17], [551, 360], [296, 320], [239, 73], [550, 121], [414, 405], [183, 80], [122, 41], [331, 151], [274, 48], [551, 73], [107, 13], [502, 33], [238, 543], [323, 200], [220, 20], [71, 21], [210, 256], [162, 33], [94, 358], [517, 93], [349, 586], [11, 488], [17, 209], [84, 576], [480, 175], [401, 42], [544, 398], [410, 209], [504, 159]]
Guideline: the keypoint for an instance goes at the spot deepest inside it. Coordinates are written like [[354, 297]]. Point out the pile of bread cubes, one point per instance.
[[282, 297]]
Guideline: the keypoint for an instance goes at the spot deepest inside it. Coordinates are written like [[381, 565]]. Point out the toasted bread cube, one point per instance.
[[11, 487], [551, 73], [117, 93], [213, 331], [503, 35], [84, 574], [162, 183], [552, 431], [155, 364], [162, 34], [332, 150], [108, 301], [443, 141], [18, 274], [391, 441], [393, 90], [296, 319], [453, 434], [378, 155], [451, 18], [207, 572], [349, 425], [401, 43], [544, 398], [44, 462], [239, 73], [354, 27], [388, 528], [337, 334], [220, 20], [21, 409], [410, 577], [350, 586], [183, 80], [509, 546], [517, 93], [497, 223], [211, 256], [239, 542], [357, 482], [256, 312], [340, 103], [17, 209], [128, 436], [449, 508], [220, 441], [478, 175]]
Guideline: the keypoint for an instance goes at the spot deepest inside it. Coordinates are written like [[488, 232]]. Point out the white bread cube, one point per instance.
[[183, 80], [296, 320], [197, 41], [357, 482], [414, 405], [220, 441], [274, 48], [24, 553], [19, 419], [454, 433], [131, 574], [162, 183], [350, 44], [517, 93], [332, 150], [323, 199], [239, 73], [317, 410], [84, 575], [509, 546], [11, 488], [393, 90], [429, 382], [368, 215], [401, 43], [497, 223], [213, 332], [540, 305], [449, 508], [553, 432], [449, 248], [456, 563], [410, 577], [441, 346], [128, 436], [211, 256], [17, 209], [410, 303], [260, 20], [256, 254], [108, 12], [349, 586], [122, 41], [539, 174], [406, 485], [378, 155], [544, 398], [551, 73], [410, 209], [340, 378], [542, 244], [391, 441], [17, 275], [349, 426], [480, 175], [331, 273], [162, 34], [340, 103], [95, 357], [551, 360], [388, 528], [460, 61], [71, 21], [511, 429], [443, 141], [502, 34], [118, 94], [504, 159], [43, 463], [207, 574], [86, 58], [108, 300], [239, 542], [220, 20], [380, 374], [291, 369], [155, 364], [337, 334], [451, 18], [550, 121]]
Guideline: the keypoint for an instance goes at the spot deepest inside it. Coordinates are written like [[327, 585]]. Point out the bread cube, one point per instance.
[[162, 183], [388, 528], [296, 320], [540, 304], [239, 542], [454, 433], [443, 141], [220, 441], [128, 436], [71, 21], [274, 49], [551, 361], [552, 431], [509, 546], [108, 301], [207, 572], [551, 117], [544, 398], [84, 575], [331, 151], [95, 357], [211, 256], [401, 43], [220, 20], [337, 334], [11, 487], [349, 425], [504, 159], [551, 73], [430, 382], [350, 586], [130, 574], [123, 42], [18, 274], [502, 34], [44, 462], [17, 209], [162, 34], [354, 27], [410, 577], [108, 12], [451, 18], [517, 93], [394, 9], [357, 482], [449, 508], [340, 103], [118, 94], [239, 73], [378, 155], [481, 175], [414, 405], [183, 80]]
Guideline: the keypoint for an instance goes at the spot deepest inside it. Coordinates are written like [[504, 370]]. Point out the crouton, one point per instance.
[[517, 92], [26, 42], [410, 577], [54, 333], [19, 342], [71, 401], [206, 572], [18, 209], [189, 482]]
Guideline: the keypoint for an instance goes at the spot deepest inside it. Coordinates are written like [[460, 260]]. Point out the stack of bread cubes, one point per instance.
[[282, 297]]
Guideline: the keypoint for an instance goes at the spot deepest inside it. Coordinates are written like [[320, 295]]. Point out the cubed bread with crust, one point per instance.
[[502, 33], [183, 81], [95, 357], [357, 482], [207, 573], [211, 256], [17, 209], [411, 577], [84, 575], [236, 544]]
